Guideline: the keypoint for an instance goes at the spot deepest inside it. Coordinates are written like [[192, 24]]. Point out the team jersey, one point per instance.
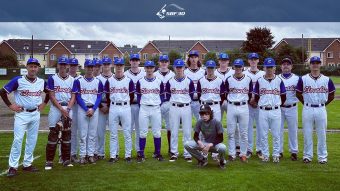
[[238, 90], [180, 90], [194, 75], [135, 77], [254, 76], [211, 89], [164, 77], [224, 75], [62, 87], [315, 90], [119, 89], [290, 83], [149, 91], [88, 89], [103, 79], [76, 77], [269, 91], [27, 94]]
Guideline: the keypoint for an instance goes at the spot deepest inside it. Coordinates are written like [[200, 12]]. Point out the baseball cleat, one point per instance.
[[67, 163], [222, 164], [173, 158], [243, 159], [140, 159], [259, 154], [92, 160], [276, 159], [188, 159], [48, 165], [128, 159], [306, 160], [74, 159], [238, 151], [293, 157], [231, 158], [265, 159], [100, 157], [214, 156], [281, 155], [159, 157], [249, 154], [323, 162], [82, 161], [113, 160], [203, 162], [11, 172], [30, 169]]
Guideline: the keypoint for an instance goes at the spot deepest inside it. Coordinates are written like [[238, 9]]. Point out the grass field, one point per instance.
[[336, 79], [154, 175]]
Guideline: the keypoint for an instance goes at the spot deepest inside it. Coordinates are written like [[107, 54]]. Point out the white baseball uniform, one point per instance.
[[120, 111], [75, 133], [149, 97], [289, 112], [254, 115], [315, 94], [180, 93], [103, 121], [224, 76], [270, 92], [195, 75], [89, 94], [210, 91], [27, 94], [134, 106], [238, 91]]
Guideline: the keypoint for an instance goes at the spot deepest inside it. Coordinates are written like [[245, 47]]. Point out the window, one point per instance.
[[21, 57], [88, 56], [154, 54], [72, 45], [52, 57], [72, 56], [145, 56], [65, 55], [46, 46], [329, 54], [89, 46], [203, 56], [26, 47], [44, 57]]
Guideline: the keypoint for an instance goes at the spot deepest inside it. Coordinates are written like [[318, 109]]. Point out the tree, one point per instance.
[[8, 61], [295, 54], [236, 53], [173, 55], [259, 40], [210, 56]]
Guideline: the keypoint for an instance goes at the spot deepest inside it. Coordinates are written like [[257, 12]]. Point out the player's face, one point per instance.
[[238, 69], [89, 70], [62, 68], [32, 70], [286, 67], [270, 70], [97, 69], [205, 116], [210, 71], [106, 67], [149, 70], [134, 63], [119, 68], [163, 64], [253, 62], [73, 68], [179, 70], [193, 59], [223, 62], [315, 66]]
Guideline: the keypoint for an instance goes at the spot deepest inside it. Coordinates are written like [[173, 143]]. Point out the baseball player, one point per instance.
[[62, 97], [74, 64], [254, 73], [89, 94], [120, 93], [165, 74], [103, 114], [28, 104], [315, 91], [212, 140], [180, 90], [149, 96], [135, 74], [239, 89], [270, 93], [211, 90], [194, 72], [289, 110], [97, 70]]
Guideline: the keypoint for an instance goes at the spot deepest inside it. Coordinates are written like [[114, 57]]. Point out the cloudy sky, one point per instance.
[[140, 33]]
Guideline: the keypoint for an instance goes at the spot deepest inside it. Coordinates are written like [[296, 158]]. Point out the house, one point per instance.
[[328, 49]]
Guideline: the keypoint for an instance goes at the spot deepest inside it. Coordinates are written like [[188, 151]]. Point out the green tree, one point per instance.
[[259, 40], [210, 56], [173, 55], [8, 61], [295, 54]]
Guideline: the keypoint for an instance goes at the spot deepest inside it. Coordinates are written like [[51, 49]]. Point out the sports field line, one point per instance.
[[5, 172]]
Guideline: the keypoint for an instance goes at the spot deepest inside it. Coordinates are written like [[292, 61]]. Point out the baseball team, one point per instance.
[[132, 100]]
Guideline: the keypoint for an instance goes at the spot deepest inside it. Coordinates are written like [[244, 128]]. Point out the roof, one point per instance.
[[317, 44], [130, 49]]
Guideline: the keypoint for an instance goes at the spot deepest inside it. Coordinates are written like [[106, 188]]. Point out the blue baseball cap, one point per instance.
[[269, 62], [33, 61], [315, 59], [88, 62], [134, 56], [106, 60], [210, 64], [179, 63], [238, 62], [97, 62], [193, 53], [223, 56], [73, 61], [119, 61], [149, 63], [62, 60], [253, 55], [164, 58]]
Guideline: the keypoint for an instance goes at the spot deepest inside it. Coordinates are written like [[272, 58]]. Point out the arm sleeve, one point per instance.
[[12, 85], [167, 90], [331, 87], [196, 137], [256, 90], [131, 91], [222, 88], [50, 83], [107, 87], [282, 88], [161, 94], [138, 92], [191, 89], [4, 97], [219, 137], [198, 90], [75, 86], [81, 102], [226, 86], [299, 86], [99, 96], [47, 96]]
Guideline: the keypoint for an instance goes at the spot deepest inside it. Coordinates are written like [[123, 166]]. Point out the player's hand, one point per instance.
[[16, 108], [104, 109], [89, 112], [206, 149], [253, 103], [41, 106], [200, 144], [65, 113]]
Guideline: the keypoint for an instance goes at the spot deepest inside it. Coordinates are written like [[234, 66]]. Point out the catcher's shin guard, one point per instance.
[[51, 146], [66, 145]]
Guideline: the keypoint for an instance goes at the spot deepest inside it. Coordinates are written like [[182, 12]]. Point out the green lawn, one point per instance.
[[154, 175], [337, 91], [336, 79]]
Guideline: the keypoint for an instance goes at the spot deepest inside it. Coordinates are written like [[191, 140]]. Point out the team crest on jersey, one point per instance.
[[208, 90], [176, 91], [264, 91], [85, 91], [238, 91], [309, 89], [60, 89], [150, 91], [28, 93], [119, 90]]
